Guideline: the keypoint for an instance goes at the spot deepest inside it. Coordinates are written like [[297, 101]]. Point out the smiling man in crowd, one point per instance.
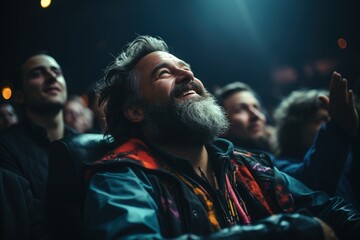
[[40, 89], [171, 177]]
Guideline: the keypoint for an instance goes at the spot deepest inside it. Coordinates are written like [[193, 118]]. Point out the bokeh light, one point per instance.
[[45, 3], [6, 92], [342, 43]]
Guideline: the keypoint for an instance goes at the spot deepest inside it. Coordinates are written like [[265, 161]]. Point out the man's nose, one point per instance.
[[255, 114], [184, 76], [50, 75]]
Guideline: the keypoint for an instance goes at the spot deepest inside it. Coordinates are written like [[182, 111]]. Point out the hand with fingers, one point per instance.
[[341, 104]]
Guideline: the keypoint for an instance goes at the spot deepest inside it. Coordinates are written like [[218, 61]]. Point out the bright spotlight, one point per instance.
[[45, 3]]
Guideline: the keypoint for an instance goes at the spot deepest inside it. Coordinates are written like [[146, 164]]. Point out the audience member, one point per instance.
[[355, 167], [8, 116], [315, 137], [171, 177], [99, 122], [247, 117], [238, 98], [41, 90], [77, 115]]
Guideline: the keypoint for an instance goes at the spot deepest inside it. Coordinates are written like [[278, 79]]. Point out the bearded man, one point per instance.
[[171, 177]]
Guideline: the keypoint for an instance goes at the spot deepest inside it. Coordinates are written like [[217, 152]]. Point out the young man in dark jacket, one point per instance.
[[40, 89], [171, 178]]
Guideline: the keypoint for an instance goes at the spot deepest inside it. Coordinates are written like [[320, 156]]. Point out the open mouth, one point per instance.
[[181, 92], [189, 92]]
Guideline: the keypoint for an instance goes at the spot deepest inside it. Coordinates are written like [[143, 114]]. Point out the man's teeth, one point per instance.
[[188, 92]]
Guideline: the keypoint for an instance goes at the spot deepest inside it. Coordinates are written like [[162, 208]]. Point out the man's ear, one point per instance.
[[134, 113], [19, 97]]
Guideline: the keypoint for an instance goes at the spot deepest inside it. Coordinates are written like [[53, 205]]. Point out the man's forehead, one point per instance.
[[245, 96], [157, 57], [40, 60]]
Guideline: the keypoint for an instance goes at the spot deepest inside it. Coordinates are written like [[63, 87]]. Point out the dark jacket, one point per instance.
[[138, 191], [15, 202], [326, 165], [24, 150]]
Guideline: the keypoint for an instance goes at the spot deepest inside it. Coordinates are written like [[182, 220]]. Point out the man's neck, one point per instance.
[[53, 124], [197, 154]]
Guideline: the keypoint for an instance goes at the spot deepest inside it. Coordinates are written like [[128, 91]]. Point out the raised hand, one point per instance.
[[341, 104]]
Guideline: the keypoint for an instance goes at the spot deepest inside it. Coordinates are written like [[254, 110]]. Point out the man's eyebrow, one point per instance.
[[157, 67], [42, 68], [183, 63], [35, 69], [55, 68]]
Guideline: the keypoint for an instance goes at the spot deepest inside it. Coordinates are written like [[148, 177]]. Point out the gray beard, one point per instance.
[[197, 120]]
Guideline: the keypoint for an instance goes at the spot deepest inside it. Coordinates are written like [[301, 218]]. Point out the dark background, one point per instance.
[[273, 45]]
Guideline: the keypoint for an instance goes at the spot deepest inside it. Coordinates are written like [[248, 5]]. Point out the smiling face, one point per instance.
[[247, 122], [176, 106], [43, 84], [164, 76]]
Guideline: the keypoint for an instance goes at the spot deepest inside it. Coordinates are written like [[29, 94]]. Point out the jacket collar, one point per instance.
[[149, 156]]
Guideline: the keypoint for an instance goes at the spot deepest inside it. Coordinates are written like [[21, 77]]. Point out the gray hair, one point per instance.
[[292, 113], [120, 85]]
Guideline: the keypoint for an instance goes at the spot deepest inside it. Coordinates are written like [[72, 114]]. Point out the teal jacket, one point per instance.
[[139, 192]]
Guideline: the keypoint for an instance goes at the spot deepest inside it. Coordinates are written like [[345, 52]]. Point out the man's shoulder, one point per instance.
[[253, 157], [12, 180], [14, 132], [18, 138], [68, 131], [133, 152]]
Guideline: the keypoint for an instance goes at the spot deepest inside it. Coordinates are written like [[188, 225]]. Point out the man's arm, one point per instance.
[[8, 157], [21, 215], [324, 162], [14, 213], [118, 205], [340, 215]]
